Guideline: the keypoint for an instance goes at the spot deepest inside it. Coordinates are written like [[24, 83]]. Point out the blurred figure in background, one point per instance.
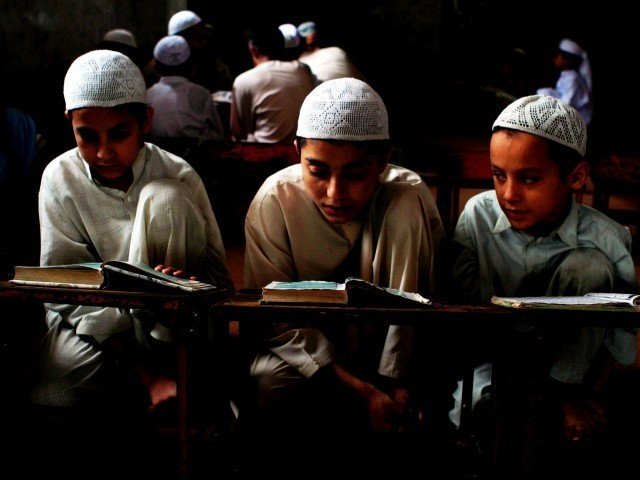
[[574, 84], [326, 63]]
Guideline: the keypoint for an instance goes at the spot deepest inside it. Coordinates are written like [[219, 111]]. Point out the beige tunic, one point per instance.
[[287, 238]]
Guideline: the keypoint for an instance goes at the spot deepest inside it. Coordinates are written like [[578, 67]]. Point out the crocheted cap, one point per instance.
[[182, 20], [103, 78], [343, 109], [120, 35], [290, 34], [546, 117], [569, 46], [172, 50], [306, 28]]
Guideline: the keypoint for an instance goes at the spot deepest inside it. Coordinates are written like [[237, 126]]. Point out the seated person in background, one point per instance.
[[342, 211], [182, 109], [113, 198], [123, 41], [574, 84], [291, 41], [530, 237], [267, 98], [328, 62]]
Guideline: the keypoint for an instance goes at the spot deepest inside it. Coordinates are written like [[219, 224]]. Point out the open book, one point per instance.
[[113, 275], [354, 291], [590, 301]]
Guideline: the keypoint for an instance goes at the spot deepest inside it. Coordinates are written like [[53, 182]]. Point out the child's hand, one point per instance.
[[174, 271]]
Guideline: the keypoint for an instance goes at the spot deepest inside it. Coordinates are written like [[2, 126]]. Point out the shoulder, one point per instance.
[[597, 227], [404, 190], [282, 183], [64, 168], [482, 208]]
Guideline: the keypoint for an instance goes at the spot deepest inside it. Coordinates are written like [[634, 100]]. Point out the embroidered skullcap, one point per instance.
[[120, 35], [103, 78], [290, 34], [569, 46], [172, 50], [343, 109], [182, 20], [546, 117], [306, 28]]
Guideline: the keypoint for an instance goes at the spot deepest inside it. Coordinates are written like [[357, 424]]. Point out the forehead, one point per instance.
[[520, 150], [337, 154], [101, 117]]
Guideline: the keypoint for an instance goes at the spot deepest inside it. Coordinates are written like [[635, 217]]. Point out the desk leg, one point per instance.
[[183, 421]]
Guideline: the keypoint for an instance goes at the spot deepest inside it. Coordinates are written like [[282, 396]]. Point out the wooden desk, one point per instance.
[[511, 454], [191, 320]]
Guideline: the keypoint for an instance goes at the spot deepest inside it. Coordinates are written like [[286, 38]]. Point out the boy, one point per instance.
[[182, 109], [342, 211], [113, 198], [266, 99], [529, 237], [574, 84]]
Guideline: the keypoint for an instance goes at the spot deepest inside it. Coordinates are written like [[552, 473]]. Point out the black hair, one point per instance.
[[380, 148], [269, 41], [572, 59], [138, 110], [566, 157]]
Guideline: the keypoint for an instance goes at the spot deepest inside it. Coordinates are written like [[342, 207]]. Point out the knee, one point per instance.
[[275, 384], [165, 193], [585, 270]]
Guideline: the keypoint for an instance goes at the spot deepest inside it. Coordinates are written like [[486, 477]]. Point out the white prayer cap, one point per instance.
[[290, 34], [570, 46], [343, 109], [120, 35], [182, 20], [103, 78], [546, 117], [172, 50], [306, 28]]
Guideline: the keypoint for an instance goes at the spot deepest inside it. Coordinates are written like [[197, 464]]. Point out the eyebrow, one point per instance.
[[355, 164], [520, 171]]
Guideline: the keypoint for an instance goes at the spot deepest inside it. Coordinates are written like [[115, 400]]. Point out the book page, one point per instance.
[[306, 285], [630, 298], [577, 301]]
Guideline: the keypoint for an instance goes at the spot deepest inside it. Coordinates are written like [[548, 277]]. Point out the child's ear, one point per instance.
[[295, 144], [149, 121], [578, 176], [67, 115]]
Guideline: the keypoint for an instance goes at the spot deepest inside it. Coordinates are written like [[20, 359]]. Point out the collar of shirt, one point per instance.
[[137, 166], [567, 231]]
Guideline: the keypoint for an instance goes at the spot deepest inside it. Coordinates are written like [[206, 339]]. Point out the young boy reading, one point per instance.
[[114, 197], [529, 237], [343, 211]]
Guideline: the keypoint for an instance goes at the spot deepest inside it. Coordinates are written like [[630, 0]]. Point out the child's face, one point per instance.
[[109, 141], [528, 184], [340, 178]]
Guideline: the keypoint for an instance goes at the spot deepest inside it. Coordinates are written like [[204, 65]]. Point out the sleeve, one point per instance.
[[566, 90], [408, 242], [268, 257], [63, 241], [464, 271]]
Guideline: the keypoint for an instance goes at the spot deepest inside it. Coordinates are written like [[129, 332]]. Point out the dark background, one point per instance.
[[428, 59]]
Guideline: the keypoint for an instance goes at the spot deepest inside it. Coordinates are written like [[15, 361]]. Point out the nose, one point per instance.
[[105, 150], [336, 188], [511, 192]]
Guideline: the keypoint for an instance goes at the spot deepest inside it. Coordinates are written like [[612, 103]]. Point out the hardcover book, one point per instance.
[[112, 275], [354, 291]]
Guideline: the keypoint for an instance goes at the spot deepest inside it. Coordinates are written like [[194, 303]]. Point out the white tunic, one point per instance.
[[267, 100], [183, 109], [82, 221], [329, 63], [288, 238]]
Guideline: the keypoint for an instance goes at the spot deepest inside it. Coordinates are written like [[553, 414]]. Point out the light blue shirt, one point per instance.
[[496, 259]]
